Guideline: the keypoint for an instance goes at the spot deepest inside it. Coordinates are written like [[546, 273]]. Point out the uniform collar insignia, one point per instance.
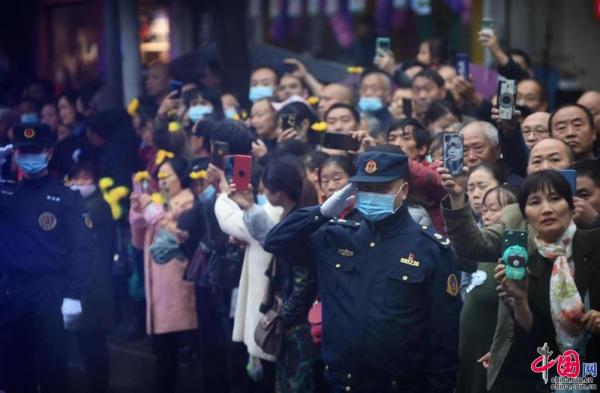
[[345, 252]]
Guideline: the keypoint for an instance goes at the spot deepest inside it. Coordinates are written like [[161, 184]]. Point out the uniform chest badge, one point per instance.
[[410, 260], [47, 221], [452, 287], [345, 252], [371, 167]]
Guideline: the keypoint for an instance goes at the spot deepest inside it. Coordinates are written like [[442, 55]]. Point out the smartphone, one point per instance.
[[238, 169], [487, 25], [383, 43], [407, 107], [571, 177], [461, 63], [336, 140], [288, 121], [220, 150], [515, 253], [507, 98], [176, 86], [453, 153]]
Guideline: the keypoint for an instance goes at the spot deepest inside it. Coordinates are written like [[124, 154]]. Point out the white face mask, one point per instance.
[[86, 190]]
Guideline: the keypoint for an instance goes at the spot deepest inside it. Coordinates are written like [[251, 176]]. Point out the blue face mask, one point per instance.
[[230, 113], [370, 104], [208, 193], [32, 164], [261, 199], [375, 207], [260, 92], [198, 112]]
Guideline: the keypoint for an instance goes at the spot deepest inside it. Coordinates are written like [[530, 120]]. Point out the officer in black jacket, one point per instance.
[[45, 260], [388, 286]]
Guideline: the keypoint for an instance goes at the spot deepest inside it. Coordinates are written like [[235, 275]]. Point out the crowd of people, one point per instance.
[[368, 265]]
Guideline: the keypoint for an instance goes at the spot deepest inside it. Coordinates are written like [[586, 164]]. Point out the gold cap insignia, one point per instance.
[[371, 167], [29, 133]]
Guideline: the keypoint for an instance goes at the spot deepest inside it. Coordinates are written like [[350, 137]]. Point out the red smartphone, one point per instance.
[[238, 169]]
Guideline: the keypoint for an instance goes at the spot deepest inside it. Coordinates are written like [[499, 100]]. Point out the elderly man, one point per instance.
[[574, 125], [375, 95], [334, 93], [535, 128], [482, 144], [263, 83]]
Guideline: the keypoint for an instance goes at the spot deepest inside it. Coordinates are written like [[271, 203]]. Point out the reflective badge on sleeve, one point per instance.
[[452, 287], [47, 221]]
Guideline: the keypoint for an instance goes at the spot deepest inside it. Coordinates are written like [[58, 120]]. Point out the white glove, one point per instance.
[[4, 152], [71, 309], [336, 203]]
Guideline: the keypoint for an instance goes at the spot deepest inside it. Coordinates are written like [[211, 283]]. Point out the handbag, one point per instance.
[[269, 331], [315, 320]]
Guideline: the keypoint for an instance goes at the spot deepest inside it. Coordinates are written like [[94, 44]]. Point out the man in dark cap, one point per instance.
[[45, 259], [388, 286]]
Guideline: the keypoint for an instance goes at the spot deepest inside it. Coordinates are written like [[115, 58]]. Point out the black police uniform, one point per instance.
[[390, 296], [45, 256]]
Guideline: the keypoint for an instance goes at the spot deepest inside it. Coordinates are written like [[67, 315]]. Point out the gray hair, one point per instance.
[[491, 132]]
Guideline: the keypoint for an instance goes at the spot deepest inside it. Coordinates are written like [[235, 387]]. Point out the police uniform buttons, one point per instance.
[[349, 376], [394, 383], [424, 226], [337, 266], [347, 388], [404, 278], [372, 244], [316, 218]]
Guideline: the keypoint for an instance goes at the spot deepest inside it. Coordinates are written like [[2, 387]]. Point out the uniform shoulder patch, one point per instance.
[[440, 239], [345, 223]]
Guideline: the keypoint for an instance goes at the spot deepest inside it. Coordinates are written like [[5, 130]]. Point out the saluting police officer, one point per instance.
[[45, 260], [389, 288]]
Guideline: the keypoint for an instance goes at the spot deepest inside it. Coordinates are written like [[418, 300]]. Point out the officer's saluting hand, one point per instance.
[[45, 261], [388, 286]]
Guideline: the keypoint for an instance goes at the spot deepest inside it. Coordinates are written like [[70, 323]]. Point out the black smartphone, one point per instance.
[[461, 63], [407, 107], [453, 153], [288, 121], [339, 141], [220, 150], [176, 86], [383, 43]]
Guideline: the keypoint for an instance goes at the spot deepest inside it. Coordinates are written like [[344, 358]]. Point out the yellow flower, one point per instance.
[[133, 107], [236, 117], [313, 100], [196, 175], [174, 126], [113, 197], [163, 175], [320, 126], [355, 70], [162, 155], [105, 183], [141, 176], [157, 198]]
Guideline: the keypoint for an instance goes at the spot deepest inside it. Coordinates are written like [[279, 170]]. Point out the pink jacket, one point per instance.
[[170, 301]]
